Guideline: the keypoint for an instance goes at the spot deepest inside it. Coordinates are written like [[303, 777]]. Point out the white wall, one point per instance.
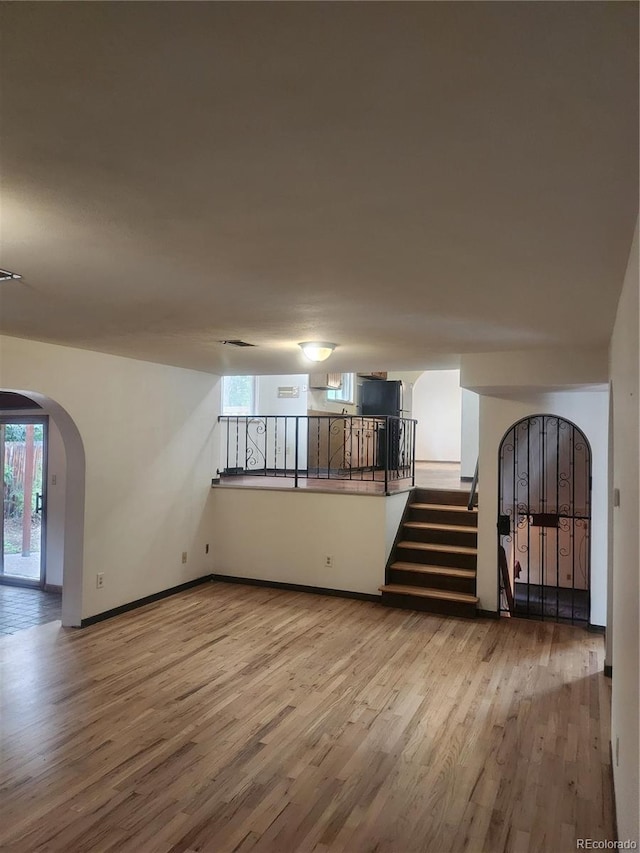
[[626, 547], [437, 406], [268, 402], [148, 433], [548, 370], [589, 410], [285, 536], [470, 433], [394, 509]]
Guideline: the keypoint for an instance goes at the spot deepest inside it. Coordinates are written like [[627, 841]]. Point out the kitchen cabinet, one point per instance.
[[380, 375], [361, 442], [325, 381], [339, 443]]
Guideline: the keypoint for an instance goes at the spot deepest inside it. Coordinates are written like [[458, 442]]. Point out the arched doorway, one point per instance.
[[23, 461], [71, 516], [544, 520]]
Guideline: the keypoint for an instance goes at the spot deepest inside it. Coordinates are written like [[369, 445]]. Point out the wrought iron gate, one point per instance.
[[544, 520]]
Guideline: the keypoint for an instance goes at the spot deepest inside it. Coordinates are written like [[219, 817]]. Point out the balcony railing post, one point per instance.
[[413, 453], [286, 424], [386, 455], [226, 463]]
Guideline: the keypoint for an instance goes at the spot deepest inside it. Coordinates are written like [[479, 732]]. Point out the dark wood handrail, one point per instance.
[[506, 580], [474, 487]]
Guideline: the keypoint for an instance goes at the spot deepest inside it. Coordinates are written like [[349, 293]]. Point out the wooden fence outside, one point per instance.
[[15, 455]]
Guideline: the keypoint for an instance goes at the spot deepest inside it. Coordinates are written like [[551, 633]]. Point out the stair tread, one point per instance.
[[432, 546], [446, 507], [433, 570], [429, 525], [427, 592], [456, 497]]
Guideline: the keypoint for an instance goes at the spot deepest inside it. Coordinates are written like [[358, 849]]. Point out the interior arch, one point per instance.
[[74, 503]]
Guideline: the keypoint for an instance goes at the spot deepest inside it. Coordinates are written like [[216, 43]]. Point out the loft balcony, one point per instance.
[[346, 453]]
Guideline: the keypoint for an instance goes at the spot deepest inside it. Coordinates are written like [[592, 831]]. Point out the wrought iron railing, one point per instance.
[[321, 447]]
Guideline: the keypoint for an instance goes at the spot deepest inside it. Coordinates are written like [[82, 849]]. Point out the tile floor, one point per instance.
[[22, 608]]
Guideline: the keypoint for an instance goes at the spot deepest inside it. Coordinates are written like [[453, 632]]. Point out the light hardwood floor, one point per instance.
[[428, 475], [235, 718]]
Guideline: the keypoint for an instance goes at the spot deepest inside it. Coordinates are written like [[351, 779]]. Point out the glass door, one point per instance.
[[23, 455]]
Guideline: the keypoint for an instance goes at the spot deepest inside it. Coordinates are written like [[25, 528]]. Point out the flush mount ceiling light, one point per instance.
[[317, 350], [7, 275]]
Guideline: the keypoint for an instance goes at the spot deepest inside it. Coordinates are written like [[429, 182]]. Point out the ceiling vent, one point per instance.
[[237, 343]]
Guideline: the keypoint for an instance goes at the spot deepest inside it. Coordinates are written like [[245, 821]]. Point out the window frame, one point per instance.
[[337, 395], [233, 411]]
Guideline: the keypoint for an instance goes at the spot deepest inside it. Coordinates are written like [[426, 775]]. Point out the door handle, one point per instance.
[[39, 502]]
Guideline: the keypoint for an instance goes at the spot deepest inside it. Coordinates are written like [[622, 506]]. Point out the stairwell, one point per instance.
[[432, 565]]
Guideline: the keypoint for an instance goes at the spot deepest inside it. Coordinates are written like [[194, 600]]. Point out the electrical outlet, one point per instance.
[[54, 479], [184, 557], [328, 561], [206, 548], [100, 580]]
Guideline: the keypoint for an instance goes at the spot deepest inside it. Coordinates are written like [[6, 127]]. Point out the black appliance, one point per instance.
[[381, 398]]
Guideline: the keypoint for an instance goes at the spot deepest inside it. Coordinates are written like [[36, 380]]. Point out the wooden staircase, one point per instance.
[[433, 562]]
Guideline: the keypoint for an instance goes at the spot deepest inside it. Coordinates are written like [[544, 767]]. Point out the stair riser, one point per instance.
[[437, 558], [437, 496], [467, 585], [429, 605], [442, 537], [443, 516]]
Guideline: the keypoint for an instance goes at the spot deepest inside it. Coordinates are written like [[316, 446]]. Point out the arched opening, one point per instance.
[[66, 523], [544, 520]]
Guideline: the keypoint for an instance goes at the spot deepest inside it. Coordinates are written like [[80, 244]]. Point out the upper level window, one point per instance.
[[344, 394], [238, 395]]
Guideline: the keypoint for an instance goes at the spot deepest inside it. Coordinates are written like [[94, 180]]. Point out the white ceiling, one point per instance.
[[408, 180]]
